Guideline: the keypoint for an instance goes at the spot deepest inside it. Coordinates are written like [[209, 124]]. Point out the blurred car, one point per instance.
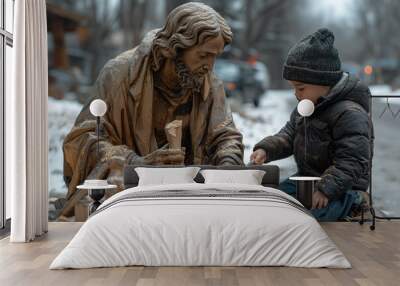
[[262, 75], [252, 88], [352, 68], [229, 72], [242, 80], [382, 71]]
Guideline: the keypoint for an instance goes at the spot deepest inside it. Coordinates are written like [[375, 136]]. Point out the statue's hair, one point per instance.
[[188, 25]]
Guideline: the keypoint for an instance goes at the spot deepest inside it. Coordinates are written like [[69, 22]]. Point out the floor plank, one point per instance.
[[375, 257]]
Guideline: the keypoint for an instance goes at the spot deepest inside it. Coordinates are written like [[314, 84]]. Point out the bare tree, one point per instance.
[[258, 16], [171, 4], [132, 21], [378, 28], [100, 23]]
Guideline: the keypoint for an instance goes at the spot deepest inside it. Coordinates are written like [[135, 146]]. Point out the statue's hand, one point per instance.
[[115, 175], [164, 156], [227, 162]]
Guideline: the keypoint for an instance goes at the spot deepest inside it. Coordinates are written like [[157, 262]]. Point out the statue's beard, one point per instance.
[[190, 80]]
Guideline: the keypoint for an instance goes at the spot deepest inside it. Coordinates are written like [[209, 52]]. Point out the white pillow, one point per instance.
[[163, 176], [248, 177]]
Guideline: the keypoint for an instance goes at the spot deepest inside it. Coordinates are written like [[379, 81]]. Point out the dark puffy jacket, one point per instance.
[[337, 136]]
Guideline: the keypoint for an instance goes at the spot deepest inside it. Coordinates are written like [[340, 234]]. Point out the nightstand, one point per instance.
[[92, 200]]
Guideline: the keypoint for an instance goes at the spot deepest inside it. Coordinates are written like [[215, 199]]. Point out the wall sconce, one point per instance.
[[305, 185], [98, 108]]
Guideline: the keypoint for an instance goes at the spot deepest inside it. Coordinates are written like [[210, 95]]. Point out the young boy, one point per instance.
[[337, 137]]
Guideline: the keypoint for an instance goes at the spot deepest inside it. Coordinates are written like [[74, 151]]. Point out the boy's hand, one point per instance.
[[319, 200], [258, 157]]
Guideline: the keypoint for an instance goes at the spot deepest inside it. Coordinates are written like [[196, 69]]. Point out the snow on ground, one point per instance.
[[385, 90], [62, 115], [380, 89]]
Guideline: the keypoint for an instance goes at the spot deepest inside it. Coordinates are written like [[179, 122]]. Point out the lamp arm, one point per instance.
[[98, 138]]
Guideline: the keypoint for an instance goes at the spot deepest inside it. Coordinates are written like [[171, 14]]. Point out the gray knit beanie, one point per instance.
[[314, 60]]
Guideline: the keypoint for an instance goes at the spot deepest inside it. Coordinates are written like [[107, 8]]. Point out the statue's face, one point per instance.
[[203, 56]]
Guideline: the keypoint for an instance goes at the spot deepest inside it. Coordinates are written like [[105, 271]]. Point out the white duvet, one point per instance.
[[188, 231]]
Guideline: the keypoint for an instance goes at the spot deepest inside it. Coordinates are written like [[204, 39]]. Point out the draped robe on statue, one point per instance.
[[126, 85]]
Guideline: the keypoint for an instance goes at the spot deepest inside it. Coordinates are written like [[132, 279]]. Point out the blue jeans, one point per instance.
[[335, 210]]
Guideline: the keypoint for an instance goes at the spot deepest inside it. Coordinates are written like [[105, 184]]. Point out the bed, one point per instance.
[[201, 224]]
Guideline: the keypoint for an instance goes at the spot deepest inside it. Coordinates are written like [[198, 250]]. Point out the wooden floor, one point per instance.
[[375, 256]]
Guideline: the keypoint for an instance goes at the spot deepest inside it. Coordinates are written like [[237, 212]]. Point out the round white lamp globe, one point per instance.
[[305, 107], [98, 107]]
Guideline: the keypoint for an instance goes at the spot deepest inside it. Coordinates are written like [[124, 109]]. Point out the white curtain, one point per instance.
[[26, 124]]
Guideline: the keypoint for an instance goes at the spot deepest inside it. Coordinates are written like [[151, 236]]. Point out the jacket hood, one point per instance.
[[348, 88]]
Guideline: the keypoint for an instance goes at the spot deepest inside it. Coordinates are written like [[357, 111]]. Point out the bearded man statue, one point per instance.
[[167, 77]]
